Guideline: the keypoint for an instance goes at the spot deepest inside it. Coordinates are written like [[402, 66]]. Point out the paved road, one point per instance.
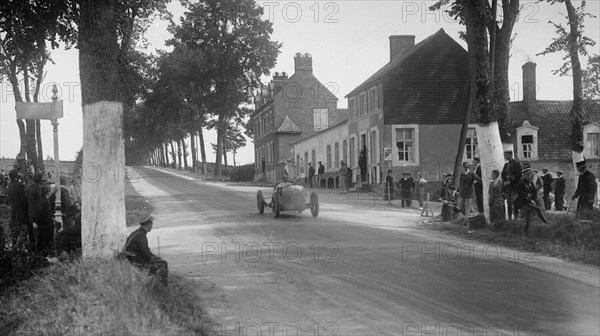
[[354, 271]]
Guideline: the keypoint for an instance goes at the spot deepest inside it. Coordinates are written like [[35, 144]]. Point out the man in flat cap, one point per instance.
[[511, 175], [586, 188], [138, 252], [560, 185]]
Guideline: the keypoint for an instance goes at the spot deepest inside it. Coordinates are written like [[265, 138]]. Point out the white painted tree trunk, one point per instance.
[[491, 154], [103, 228]]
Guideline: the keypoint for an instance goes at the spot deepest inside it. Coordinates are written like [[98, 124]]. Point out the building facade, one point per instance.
[[286, 110]]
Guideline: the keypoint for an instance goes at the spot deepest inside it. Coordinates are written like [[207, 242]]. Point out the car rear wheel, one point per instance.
[[276, 205], [314, 204], [260, 202]]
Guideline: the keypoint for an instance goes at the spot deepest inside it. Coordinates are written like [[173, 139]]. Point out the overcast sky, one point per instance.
[[348, 41]]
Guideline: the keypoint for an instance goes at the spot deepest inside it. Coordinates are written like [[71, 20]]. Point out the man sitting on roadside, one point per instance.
[[138, 253]]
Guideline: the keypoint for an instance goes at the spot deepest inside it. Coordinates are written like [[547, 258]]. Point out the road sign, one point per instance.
[[26, 110]]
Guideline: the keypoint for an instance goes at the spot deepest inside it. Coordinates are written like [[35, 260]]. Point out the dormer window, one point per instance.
[[591, 140], [527, 142]]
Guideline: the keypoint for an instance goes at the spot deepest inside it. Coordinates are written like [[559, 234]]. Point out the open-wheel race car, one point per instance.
[[288, 197]]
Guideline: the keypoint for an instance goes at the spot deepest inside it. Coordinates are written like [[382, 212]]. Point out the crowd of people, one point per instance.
[[31, 197], [518, 190]]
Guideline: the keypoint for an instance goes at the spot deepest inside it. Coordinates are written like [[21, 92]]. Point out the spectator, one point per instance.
[[4, 180], [311, 174], [447, 188], [407, 185], [389, 187], [65, 199], [17, 200], [33, 195], [511, 175], [586, 188], [43, 220], [539, 185], [320, 171], [139, 254], [343, 178], [421, 188], [263, 167], [547, 187], [526, 198], [560, 186], [496, 200], [71, 236], [478, 185], [465, 189]]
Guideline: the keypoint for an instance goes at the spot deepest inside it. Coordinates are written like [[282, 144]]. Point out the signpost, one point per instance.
[[51, 111]]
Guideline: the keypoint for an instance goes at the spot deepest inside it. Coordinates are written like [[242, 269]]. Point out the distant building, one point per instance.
[[541, 130], [408, 114], [286, 110]]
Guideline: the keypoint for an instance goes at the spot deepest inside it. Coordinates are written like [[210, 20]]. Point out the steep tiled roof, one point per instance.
[[392, 64], [288, 126], [552, 118]]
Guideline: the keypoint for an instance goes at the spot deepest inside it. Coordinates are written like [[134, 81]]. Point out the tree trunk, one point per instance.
[[193, 150], [488, 134], [103, 209], [38, 135], [179, 154], [166, 151], [463, 138], [202, 150], [185, 153], [30, 125], [173, 155], [220, 135], [14, 82], [576, 115]]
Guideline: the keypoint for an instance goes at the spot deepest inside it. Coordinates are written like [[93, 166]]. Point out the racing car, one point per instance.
[[288, 197]]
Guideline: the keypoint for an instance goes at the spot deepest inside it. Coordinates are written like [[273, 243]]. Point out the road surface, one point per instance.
[[355, 271]]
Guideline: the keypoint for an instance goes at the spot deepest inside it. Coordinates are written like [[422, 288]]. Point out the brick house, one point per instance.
[[286, 110], [541, 131], [408, 114]]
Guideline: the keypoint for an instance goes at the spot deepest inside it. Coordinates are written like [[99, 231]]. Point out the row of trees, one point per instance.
[[220, 49]]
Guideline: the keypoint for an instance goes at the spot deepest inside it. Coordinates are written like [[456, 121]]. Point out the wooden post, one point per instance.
[[103, 188]]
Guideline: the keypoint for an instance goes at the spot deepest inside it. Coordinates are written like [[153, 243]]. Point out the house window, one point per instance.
[[361, 103], [328, 153], [594, 143], [471, 149], [527, 143], [373, 146], [352, 108], [352, 157], [313, 156], [345, 151], [320, 117], [405, 144], [372, 99], [336, 152]]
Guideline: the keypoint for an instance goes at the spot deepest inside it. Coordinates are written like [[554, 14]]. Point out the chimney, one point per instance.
[[399, 44], [279, 80], [529, 84], [303, 63]]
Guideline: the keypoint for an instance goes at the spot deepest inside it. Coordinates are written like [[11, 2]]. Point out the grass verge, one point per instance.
[[101, 298], [137, 207], [565, 237]]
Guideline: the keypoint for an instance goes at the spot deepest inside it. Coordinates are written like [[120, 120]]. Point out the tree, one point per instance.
[[236, 40], [591, 79], [489, 51], [25, 28], [573, 43]]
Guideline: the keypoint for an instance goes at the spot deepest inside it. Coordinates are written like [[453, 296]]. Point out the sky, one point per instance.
[[348, 41]]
